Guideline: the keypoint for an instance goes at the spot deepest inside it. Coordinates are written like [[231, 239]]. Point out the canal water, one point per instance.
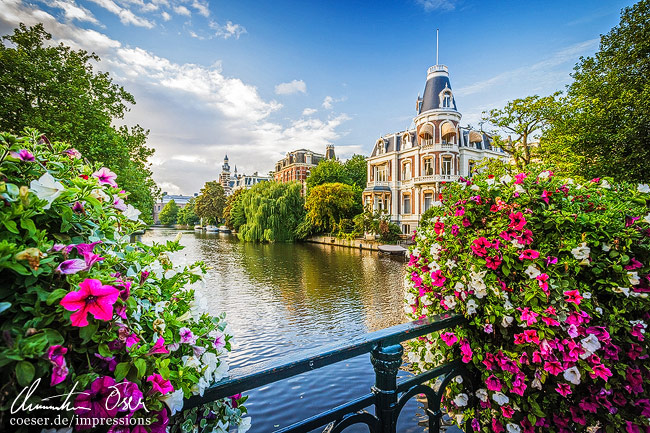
[[285, 299]]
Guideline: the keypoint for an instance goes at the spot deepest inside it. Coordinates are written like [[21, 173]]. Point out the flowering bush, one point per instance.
[[552, 275], [118, 324]]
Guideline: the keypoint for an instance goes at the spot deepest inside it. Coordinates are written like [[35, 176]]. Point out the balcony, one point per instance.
[[374, 183], [437, 178]]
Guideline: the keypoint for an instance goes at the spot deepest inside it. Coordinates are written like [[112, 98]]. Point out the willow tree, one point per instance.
[[329, 203], [273, 211]]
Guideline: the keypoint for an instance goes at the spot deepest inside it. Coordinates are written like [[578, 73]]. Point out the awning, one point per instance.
[[475, 137], [426, 130], [447, 128]]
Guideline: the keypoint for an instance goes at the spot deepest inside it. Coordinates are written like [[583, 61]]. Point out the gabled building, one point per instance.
[[297, 164], [407, 169], [180, 200]]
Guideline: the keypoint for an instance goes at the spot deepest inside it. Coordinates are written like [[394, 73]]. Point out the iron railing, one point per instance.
[[387, 395]]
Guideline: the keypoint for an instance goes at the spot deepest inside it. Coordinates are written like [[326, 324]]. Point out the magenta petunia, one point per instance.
[[437, 279], [105, 176], [517, 221], [493, 262], [528, 255], [100, 401], [158, 347], [92, 297], [159, 384], [563, 388], [449, 338], [71, 266], [493, 383], [23, 155], [573, 296], [55, 354]]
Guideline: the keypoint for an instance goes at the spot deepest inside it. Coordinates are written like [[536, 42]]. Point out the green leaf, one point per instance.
[[87, 332], [25, 372], [104, 350], [122, 370], [141, 365], [11, 226], [56, 295]]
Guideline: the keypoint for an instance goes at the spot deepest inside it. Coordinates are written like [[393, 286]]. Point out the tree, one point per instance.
[[328, 203], [187, 214], [56, 90], [210, 203], [169, 213], [356, 169], [272, 211], [328, 171], [234, 211], [605, 124], [525, 119]]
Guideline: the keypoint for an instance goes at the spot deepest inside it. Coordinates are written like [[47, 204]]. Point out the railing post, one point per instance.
[[386, 362]]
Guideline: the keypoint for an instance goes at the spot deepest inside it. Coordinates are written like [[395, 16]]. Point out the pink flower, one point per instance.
[[449, 338], [563, 388], [158, 347], [493, 262], [78, 208], [493, 383], [118, 203], [187, 336], [439, 227], [550, 260], [479, 246], [437, 279], [71, 266], [528, 316], [519, 386], [55, 354], [526, 237], [573, 296], [497, 427], [634, 264], [553, 367], [466, 222], [159, 384], [460, 211], [601, 371], [23, 155], [92, 297], [466, 351], [519, 178], [455, 230], [507, 411], [100, 401], [528, 255], [131, 340], [531, 336], [630, 427], [517, 221], [105, 176]]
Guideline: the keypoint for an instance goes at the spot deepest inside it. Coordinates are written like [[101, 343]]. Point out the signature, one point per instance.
[[113, 401]]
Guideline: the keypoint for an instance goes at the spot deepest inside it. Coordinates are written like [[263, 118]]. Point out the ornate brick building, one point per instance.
[[297, 164], [407, 168]]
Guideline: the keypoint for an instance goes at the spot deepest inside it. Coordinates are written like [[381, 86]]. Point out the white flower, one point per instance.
[[410, 298], [532, 271], [480, 289], [424, 311], [643, 188], [408, 309], [605, 247], [131, 213], [451, 264], [507, 305], [513, 428], [647, 218], [471, 306], [507, 321], [458, 379], [461, 400], [536, 384], [174, 401], [482, 394], [244, 425], [413, 357], [475, 187], [572, 375], [459, 286], [569, 181], [435, 250], [99, 195], [591, 344], [416, 251], [221, 370], [190, 361], [47, 188], [490, 181], [424, 299], [544, 175], [159, 307], [505, 179], [599, 310], [605, 184], [500, 398], [519, 189], [450, 301], [586, 295], [634, 278], [581, 252], [428, 357]]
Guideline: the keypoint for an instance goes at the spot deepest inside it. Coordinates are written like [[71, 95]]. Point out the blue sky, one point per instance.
[[256, 79]]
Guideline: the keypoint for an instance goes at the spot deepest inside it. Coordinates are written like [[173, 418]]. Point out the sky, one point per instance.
[[257, 79]]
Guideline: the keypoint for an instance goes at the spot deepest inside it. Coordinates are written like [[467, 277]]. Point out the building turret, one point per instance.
[[329, 152]]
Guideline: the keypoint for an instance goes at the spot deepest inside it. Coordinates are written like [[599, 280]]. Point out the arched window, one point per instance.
[[426, 134], [406, 203], [446, 99], [380, 147], [446, 169], [406, 141], [427, 165], [448, 133], [406, 170]]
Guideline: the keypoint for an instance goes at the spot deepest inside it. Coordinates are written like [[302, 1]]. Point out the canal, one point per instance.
[[281, 299]]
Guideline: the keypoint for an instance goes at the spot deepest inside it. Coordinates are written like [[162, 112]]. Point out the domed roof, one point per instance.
[[437, 82]]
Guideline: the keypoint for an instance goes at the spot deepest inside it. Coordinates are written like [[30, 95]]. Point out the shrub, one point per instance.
[[169, 213], [552, 275], [83, 309]]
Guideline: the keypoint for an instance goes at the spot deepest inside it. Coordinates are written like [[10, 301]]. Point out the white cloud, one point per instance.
[[228, 30], [201, 7], [165, 16], [295, 86], [328, 102], [432, 5], [309, 111], [182, 10], [538, 74], [72, 11], [125, 15], [196, 113]]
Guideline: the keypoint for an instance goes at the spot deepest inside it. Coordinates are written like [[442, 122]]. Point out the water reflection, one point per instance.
[[282, 299]]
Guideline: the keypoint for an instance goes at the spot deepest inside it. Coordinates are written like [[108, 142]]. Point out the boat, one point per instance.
[[392, 249], [198, 227], [211, 228], [224, 229]]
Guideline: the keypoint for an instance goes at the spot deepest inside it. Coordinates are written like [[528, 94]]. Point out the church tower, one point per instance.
[[224, 177]]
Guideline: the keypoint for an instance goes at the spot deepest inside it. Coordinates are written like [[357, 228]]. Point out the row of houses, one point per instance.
[[406, 169]]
